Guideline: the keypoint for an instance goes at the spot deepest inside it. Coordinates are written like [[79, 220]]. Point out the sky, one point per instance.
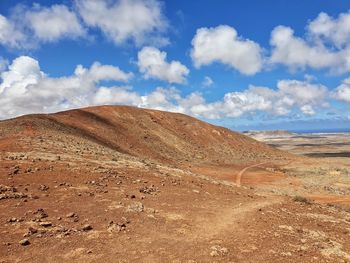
[[252, 64]]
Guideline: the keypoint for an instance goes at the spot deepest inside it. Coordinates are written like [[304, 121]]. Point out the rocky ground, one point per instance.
[[68, 198]]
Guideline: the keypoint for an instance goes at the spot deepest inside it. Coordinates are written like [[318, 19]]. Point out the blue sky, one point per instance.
[[239, 64]]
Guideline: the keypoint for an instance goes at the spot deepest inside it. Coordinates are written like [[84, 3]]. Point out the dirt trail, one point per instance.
[[240, 174], [226, 219]]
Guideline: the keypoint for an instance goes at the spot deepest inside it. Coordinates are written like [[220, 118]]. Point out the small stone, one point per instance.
[[87, 227], [72, 214], [24, 242], [214, 253], [43, 187], [40, 213], [46, 224], [32, 230], [136, 207]]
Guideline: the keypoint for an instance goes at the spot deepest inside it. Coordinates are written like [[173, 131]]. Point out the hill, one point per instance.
[[169, 138]]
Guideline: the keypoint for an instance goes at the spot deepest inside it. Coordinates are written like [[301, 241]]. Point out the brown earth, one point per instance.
[[120, 184]]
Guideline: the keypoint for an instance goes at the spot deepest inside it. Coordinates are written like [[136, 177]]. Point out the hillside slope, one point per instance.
[[164, 137]]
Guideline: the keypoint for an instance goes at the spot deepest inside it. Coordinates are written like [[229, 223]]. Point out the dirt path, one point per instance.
[[240, 174], [227, 219]]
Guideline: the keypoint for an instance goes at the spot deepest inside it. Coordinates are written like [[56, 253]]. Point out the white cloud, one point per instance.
[[342, 92], [289, 95], [9, 34], [297, 53], [308, 110], [336, 31], [207, 82], [53, 23], [98, 72], [152, 63], [116, 95], [222, 44], [23, 72], [303, 92], [138, 21], [141, 21], [324, 46], [26, 89], [27, 27]]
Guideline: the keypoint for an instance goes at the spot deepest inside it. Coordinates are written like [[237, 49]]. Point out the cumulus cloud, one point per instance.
[[26, 27], [9, 34], [152, 63], [334, 30], [53, 23], [303, 92], [141, 21], [342, 92], [138, 21], [308, 110], [26, 89], [98, 72], [296, 53], [324, 46], [222, 44], [289, 95]]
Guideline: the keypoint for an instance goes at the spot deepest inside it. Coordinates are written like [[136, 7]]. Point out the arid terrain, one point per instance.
[[122, 184]]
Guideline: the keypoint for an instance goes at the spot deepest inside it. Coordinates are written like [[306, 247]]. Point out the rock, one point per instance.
[[214, 253], [46, 224], [24, 242], [8, 192], [12, 220], [135, 207], [43, 187], [40, 214], [149, 189], [72, 214], [32, 230], [87, 227], [218, 251], [16, 170]]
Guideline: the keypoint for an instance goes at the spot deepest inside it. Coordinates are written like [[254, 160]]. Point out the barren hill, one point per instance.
[[121, 184], [148, 134]]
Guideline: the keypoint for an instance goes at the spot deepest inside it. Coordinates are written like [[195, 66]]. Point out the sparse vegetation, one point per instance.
[[302, 199]]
